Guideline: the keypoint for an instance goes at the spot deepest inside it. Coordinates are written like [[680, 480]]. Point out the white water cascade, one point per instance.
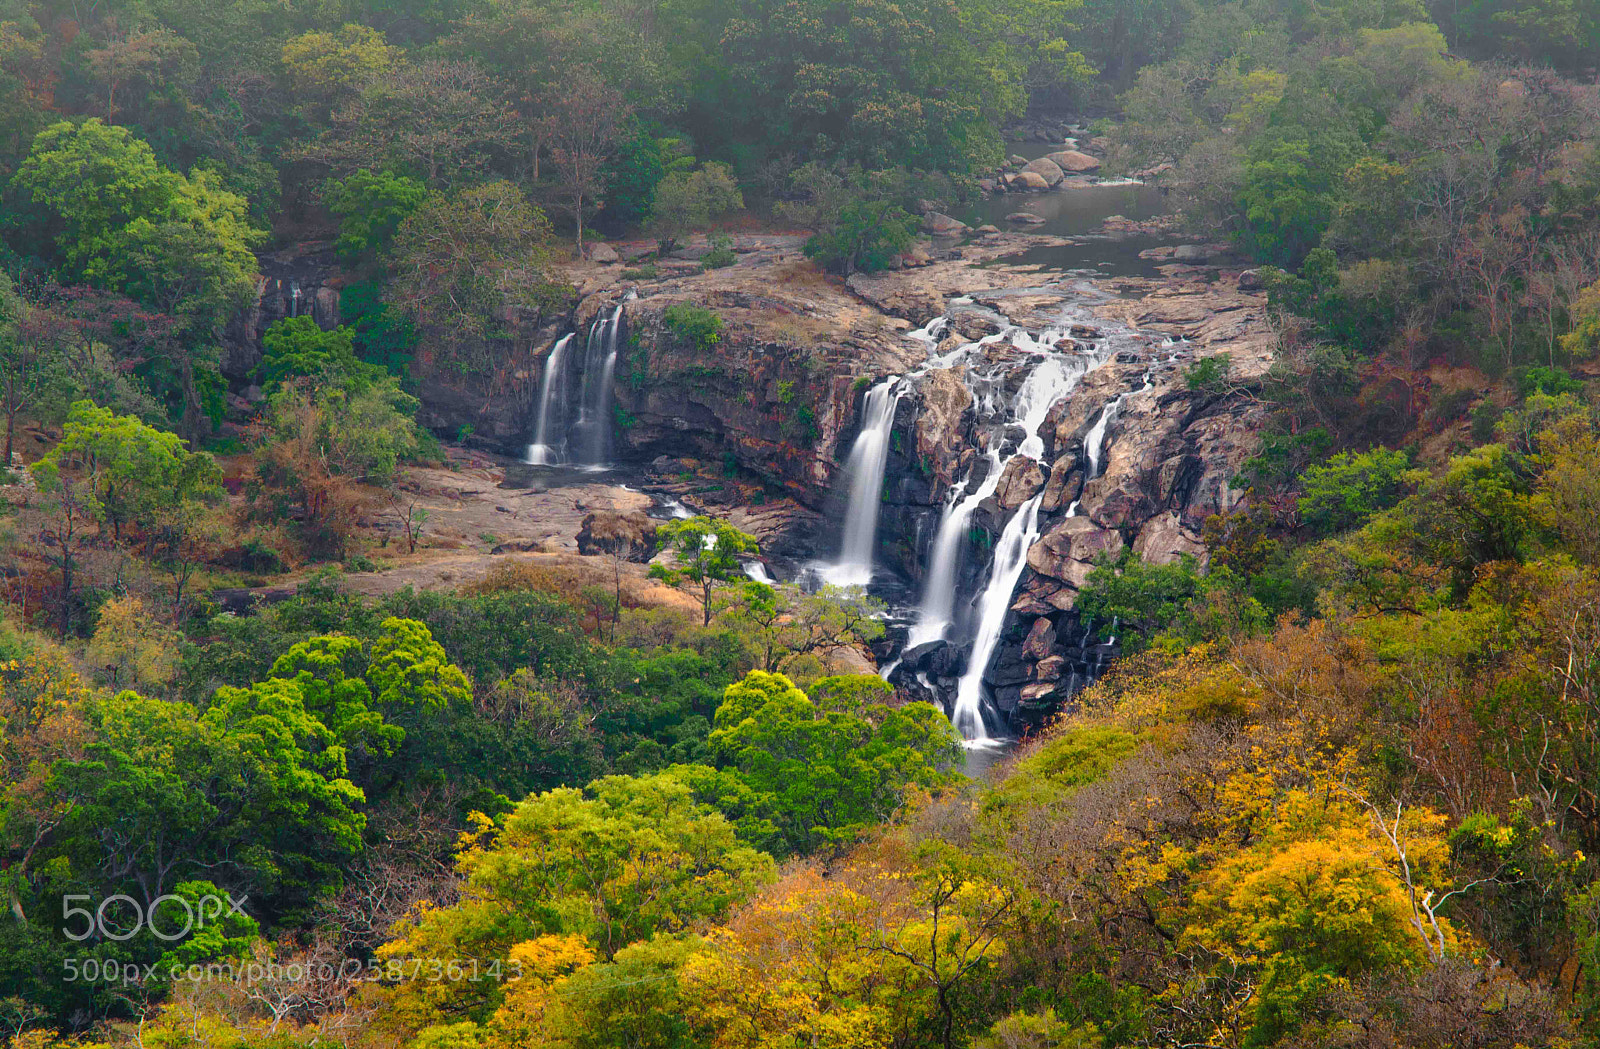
[[593, 425], [868, 458], [1010, 558], [545, 450], [1053, 376]]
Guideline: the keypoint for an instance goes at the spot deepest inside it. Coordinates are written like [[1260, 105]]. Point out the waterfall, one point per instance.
[[1094, 442], [593, 427], [542, 452], [294, 298], [1010, 558], [1052, 377], [937, 608], [868, 458]]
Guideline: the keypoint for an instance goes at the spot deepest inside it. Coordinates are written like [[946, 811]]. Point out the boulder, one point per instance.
[[627, 535], [1026, 218], [1021, 481], [1250, 280], [942, 225], [1017, 161], [1036, 691], [1046, 169], [1030, 180], [1064, 478], [987, 229], [940, 431], [1068, 550], [1041, 640], [1163, 540], [602, 253], [1072, 160], [1190, 253], [1049, 668], [988, 185]]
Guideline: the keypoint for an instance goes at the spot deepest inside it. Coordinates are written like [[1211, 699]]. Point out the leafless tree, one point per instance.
[[585, 114]]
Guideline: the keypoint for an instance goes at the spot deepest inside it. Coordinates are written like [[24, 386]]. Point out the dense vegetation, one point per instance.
[[1343, 791]]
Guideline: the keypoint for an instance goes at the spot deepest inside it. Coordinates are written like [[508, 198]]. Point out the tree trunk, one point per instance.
[[66, 590], [578, 213]]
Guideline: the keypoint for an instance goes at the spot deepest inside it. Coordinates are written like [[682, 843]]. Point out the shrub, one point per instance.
[[1209, 375], [721, 254], [696, 324]]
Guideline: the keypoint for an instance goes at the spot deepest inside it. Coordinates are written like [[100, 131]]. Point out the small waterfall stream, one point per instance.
[[546, 450], [868, 458], [592, 429], [1010, 558]]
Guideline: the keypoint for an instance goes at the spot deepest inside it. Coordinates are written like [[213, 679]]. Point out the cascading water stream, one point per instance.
[[593, 427], [868, 458], [1010, 558], [1053, 376], [1094, 442], [542, 452]]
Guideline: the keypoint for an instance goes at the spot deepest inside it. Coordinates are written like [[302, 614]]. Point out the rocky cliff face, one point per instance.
[[302, 280], [774, 402]]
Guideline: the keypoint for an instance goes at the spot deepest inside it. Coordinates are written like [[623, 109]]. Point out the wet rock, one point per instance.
[[1045, 169], [1031, 180], [941, 425], [628, 535], [1062, 485], [1072, 160], [1025, 218]]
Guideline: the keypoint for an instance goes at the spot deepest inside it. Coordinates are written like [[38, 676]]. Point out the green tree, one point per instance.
[[370, 695], [827, 771], [463, 262], [685, 201], [371, 208], [785, 625], [617, 862], [1350, 487], [706, 552], [326, 69], [136, 472], [1127, 592], [254, 784], [296, 347], [30, 368], [83, 184], [855, 219]]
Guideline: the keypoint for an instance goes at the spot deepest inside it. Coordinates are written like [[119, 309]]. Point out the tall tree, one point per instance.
[[585, 116]]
